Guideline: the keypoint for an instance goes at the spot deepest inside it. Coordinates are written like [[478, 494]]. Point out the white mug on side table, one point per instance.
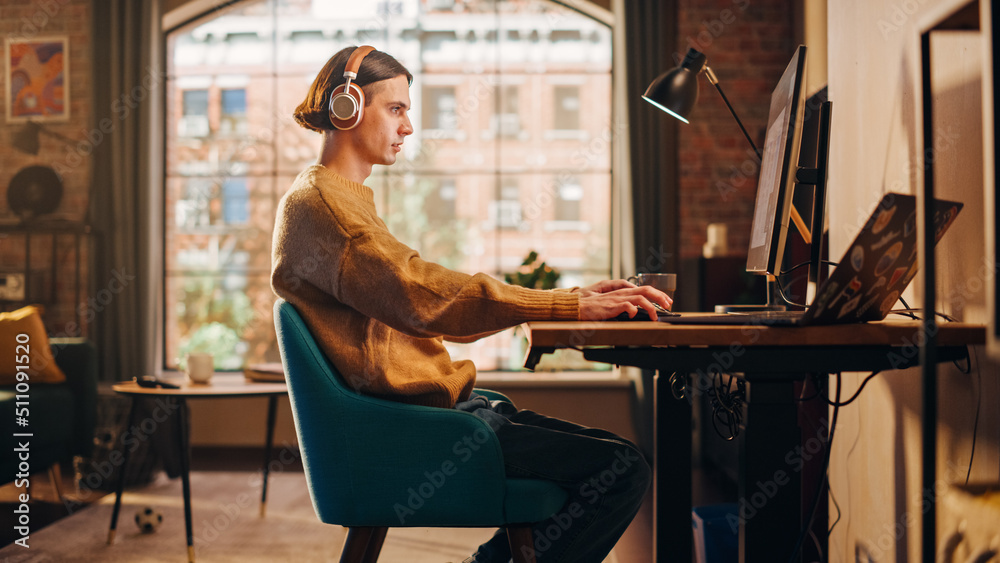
[[200, 367]]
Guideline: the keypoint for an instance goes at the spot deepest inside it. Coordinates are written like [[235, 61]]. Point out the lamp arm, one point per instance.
[[715, 82]]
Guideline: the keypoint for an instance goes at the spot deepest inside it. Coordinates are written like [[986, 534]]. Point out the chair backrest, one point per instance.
[[317, 404], [352, 444]]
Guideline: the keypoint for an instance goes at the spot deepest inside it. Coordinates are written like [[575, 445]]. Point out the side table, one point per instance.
[[220, 386]]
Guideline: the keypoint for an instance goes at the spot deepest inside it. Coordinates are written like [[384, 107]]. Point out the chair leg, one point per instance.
[[522, 549], [355, 545], [375, 544], [363, 544]]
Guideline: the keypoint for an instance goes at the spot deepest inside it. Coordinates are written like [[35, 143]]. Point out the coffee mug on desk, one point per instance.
[[200, 367], [667, 283]]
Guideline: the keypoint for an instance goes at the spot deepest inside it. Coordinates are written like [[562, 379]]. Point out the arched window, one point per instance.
[[511, 153]]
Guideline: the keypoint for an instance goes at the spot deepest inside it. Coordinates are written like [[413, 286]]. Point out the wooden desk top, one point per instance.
[[555, 334], [221, 385]]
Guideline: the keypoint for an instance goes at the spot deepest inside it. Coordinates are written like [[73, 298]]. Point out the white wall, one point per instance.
[[874, 77]]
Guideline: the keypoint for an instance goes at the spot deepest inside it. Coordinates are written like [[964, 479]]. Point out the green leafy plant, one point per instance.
[[217, 339], [212, 320], [534, 274]]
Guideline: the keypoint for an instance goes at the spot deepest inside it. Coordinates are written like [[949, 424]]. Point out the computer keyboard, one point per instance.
[[774, 314]]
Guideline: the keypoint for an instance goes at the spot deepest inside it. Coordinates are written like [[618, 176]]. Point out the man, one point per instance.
[[381, 313]]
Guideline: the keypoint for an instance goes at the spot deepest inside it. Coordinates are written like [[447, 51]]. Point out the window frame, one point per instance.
[[603, 17]]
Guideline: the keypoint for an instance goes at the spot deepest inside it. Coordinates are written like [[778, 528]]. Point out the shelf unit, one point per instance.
[[46, 292]]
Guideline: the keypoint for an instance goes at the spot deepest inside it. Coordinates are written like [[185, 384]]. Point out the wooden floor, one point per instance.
[[635, 545]]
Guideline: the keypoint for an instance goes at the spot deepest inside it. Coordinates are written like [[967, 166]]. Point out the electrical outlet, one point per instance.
[[12, 287]]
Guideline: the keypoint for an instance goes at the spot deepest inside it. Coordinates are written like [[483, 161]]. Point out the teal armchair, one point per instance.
[[372, 464], [62, 414]]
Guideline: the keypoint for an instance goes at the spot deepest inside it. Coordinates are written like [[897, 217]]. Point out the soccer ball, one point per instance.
[[148, 519]]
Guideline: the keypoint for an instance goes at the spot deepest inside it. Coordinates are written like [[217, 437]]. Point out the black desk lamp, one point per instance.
[[676, 92]]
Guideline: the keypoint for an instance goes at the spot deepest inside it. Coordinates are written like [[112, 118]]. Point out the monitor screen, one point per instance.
[[779, 163]]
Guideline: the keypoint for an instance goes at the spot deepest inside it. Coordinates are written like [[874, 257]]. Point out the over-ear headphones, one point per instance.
[[347, 102]]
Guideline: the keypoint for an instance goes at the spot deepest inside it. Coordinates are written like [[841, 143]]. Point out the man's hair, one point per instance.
[[314, 112]]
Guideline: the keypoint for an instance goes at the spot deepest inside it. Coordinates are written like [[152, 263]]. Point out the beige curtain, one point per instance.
[[126, 210]]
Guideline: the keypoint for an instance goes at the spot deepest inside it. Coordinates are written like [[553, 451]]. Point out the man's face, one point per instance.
[[385, 123]]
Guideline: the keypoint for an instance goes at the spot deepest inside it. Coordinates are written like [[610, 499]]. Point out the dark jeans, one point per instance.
[[605, 475]]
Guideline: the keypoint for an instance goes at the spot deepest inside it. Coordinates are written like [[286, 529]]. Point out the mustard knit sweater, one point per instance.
[[380, 312]]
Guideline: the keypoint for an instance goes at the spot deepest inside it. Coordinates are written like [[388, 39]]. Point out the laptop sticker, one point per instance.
[[851, 290], [857, 258], [883, 219], [889, 237], [888, 259], [875, 286], [896, 274], [910, 273], [942, 223], [825, 296], [868, 304], [849, 306], [910, 225]]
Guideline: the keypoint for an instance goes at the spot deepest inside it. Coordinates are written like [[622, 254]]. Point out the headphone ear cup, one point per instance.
[[347, 106]]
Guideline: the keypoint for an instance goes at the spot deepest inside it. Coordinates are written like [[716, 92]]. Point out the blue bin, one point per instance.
[[716, 533]]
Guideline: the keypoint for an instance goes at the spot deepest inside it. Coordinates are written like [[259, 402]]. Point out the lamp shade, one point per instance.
[[676, 90]]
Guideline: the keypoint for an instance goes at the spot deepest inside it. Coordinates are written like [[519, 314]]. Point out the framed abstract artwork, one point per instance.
[[37, 79]]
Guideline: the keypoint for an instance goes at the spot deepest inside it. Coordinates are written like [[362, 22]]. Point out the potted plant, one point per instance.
[[534, 274]]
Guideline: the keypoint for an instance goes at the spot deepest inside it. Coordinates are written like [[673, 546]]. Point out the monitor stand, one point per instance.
[[774, 301]]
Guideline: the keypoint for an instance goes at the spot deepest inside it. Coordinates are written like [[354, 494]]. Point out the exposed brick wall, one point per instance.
[[748, 44], [33, 19]]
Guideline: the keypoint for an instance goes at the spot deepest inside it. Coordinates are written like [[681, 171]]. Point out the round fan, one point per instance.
[[34, 191]]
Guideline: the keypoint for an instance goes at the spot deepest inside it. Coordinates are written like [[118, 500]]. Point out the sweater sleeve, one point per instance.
[[386, 280], [470, 338]]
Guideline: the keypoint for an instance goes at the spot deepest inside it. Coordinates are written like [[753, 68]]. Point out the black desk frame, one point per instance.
[[771, 533], [972, 16]]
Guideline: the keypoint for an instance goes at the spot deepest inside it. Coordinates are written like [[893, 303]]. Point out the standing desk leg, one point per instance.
[[272, 411], [770, 476], [121, 475], [182, 438], [672, 537]]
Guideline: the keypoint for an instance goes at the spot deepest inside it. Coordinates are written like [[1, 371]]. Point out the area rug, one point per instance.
[[228, 527]]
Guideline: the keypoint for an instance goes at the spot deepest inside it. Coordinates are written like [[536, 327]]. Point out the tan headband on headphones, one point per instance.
[[354, 63]]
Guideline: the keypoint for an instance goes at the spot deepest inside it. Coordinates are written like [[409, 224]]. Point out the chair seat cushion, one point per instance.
[[532, 500]]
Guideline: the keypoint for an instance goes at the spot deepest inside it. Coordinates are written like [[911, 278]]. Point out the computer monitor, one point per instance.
[[779, 164], [796, 152], [813, 156]]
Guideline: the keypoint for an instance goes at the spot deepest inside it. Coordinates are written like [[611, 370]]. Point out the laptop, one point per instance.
[[868, 280]]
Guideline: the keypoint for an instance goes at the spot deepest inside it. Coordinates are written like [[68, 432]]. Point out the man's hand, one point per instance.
[[603, 287], [609, 298]]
